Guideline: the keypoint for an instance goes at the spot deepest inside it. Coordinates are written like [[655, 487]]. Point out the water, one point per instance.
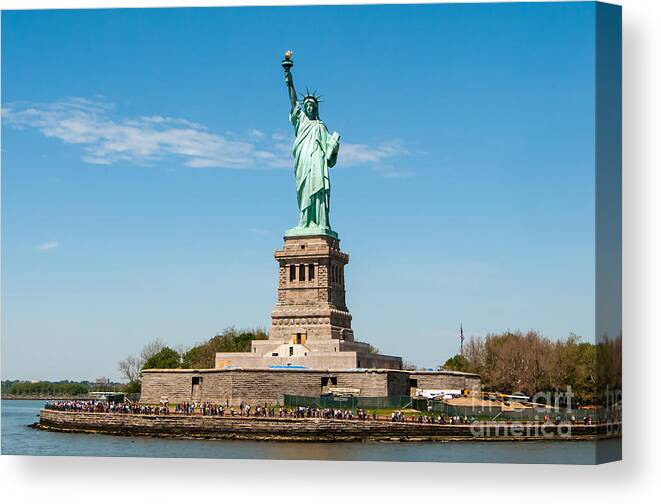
[[19, 439]]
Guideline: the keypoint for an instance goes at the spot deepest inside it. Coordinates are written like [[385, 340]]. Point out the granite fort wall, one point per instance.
[[269, 385], [293, 429], [256, 385], [446, 380]]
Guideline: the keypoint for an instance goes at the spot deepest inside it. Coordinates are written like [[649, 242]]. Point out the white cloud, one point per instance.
[[356, 154], [142, 140], [279, 137], [256, 134], [48, 245], [147, 139]]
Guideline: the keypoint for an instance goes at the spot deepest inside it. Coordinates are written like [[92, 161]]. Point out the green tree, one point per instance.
[[457, 363], [44, 388], [203, 355], [166, 358], [132, 387]]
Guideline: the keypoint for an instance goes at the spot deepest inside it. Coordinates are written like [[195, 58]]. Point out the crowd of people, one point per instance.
[[266, 410], [93, 406], [209, 409], [332, 413], [398, 416], [586, 420]]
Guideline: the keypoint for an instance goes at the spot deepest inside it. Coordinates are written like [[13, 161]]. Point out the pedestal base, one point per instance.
[[311, 231]]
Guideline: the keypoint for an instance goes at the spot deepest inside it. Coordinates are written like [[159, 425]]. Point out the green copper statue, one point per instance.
[[315, 151]]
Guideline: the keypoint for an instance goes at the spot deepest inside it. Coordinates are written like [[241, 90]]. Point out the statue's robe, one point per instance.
[[314, 153]]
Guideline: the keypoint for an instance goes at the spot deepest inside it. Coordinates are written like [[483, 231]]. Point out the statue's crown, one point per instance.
[[311, 96]]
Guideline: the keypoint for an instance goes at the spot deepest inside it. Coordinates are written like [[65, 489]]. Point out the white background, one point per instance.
[[636, 479]]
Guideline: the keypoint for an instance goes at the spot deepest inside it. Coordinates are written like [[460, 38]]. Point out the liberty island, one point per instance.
[[311, 348], [311, 380]]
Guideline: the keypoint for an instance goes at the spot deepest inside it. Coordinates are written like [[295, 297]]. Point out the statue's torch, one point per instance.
[[287, 63]]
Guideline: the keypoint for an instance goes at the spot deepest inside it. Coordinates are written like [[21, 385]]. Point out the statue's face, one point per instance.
[[311, 109]]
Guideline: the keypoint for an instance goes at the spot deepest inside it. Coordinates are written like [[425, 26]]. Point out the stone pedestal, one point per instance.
[[310, 323], [311, 304]]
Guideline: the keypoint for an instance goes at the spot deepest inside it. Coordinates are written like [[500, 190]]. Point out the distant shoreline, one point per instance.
[[10, 397]]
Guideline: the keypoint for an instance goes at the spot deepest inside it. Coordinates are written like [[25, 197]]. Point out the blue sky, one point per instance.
[[147, 174]]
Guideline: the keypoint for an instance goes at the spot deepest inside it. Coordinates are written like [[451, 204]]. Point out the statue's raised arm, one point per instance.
[[287, 63]]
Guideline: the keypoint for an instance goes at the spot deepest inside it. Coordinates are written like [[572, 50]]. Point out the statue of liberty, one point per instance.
[[315, 151]]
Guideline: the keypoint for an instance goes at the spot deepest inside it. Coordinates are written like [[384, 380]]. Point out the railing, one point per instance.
[[479, 411], [348, 402]]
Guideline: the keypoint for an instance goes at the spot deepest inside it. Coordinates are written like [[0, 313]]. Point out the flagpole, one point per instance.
[[461, 339]]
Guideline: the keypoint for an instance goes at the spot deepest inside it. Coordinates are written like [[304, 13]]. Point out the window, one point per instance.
[[311, 272], [196, 380], [292, 273], [301, 272], [274, 354], [291, 351]]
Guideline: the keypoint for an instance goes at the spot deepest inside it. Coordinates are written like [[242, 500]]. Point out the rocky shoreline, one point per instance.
[[307, 429]]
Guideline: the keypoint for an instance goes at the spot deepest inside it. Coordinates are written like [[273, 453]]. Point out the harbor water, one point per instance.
[[19, 439]]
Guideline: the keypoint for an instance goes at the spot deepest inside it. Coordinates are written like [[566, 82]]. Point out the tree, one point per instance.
[[130, 368], [150, 349], [514, 361], [457, 363], [203, 355], [408, 365], [166, 358], [46, 388], [133, 387]]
